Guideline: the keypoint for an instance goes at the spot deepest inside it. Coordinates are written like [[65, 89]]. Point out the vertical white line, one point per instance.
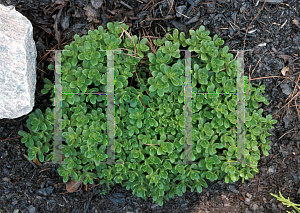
[[240, 108], [188, 143], [110, 107], [57, 146]]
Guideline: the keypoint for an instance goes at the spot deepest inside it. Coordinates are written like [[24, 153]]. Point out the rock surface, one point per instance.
[[17, 64]]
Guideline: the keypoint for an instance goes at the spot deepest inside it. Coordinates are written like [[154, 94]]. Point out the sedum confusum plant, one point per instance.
[[149, 114]]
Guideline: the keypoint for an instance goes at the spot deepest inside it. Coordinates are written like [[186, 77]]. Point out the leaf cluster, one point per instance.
[[149, 117]]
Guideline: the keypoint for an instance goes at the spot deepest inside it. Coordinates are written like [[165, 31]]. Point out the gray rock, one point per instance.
[[274, 207], [180, 10], [49, 190], [65, 22], [138, 210], [5, 171], [97, 3], [224, 197], [40, 46], [254, 207], [247, 201], [236, 191], [8, 196], [271, 169], [248, 195], [17, 64], [42, 192], [265, 200], [295, 177], [243, 8], [184, 204], [220, 182], [281, 206], [287, 119], [117, 198], [6, 179], [194, 19], [231, 188], [32, 209], [248, 211], [286, 89], [14, 202]]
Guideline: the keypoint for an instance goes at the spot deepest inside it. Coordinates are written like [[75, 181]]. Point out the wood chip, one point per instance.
[[284, 70], [262, 44], [284, 57], [6, 179], [296, 22], [91, 13]]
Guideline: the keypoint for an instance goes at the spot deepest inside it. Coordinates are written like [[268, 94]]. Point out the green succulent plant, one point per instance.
[[149, 114]]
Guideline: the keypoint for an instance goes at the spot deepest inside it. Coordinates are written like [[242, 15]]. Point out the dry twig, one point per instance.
[[35, 166], [10, 138]]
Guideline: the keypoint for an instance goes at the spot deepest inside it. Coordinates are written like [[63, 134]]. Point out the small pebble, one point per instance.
[[231, 188], [254, 207], [180, 10], [248, 195], [247, 201]]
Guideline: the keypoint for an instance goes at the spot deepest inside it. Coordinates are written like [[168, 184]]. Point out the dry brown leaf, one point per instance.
[[284, 57], [284, 70], [296, 22], [37, 162], [72, 185], [91, 13]]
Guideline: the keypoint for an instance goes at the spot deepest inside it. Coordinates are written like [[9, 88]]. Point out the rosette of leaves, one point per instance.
[[208, 71], [38, 140], [149, 118], [84, 69]]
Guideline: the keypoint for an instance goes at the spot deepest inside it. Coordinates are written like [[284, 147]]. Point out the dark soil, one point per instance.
[[272, 42]]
